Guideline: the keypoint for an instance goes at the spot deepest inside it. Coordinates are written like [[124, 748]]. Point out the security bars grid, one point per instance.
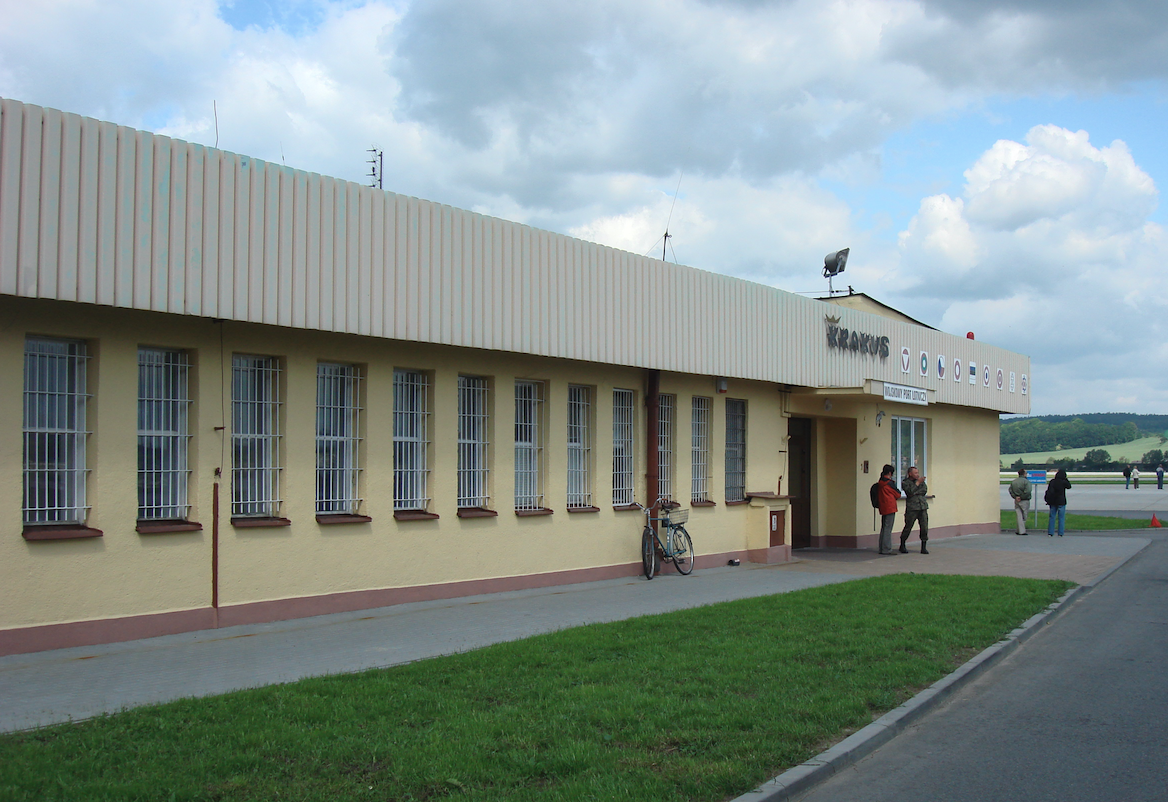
[[528, 445], [579, 446], [909, 447], [622, 447], [666, 409], [255, 436], [735, 450], [411, 412], [163, 434], [700, 450], [472, 442], [338, 430], [54, 431]]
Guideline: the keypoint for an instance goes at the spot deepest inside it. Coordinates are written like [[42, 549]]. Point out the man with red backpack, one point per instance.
[[884, 496]]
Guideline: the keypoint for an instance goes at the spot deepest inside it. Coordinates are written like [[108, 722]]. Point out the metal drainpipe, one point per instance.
[[653, 423]]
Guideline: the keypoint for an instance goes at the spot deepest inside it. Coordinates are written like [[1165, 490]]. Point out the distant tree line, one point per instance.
[[1097, 459], [1036, 434]]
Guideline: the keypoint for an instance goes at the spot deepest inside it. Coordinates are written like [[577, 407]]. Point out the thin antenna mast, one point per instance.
[[215, 108], [668, 220], [376, 167]]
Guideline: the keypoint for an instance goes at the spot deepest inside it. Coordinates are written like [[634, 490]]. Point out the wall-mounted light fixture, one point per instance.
[[879, 416], [721, 385], [827, 405]]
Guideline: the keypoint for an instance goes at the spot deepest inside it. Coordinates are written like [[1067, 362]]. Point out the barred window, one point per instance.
[[622, 447], [528, 445], [55, 434], [666, 408], [411, 413], [163, 434], [735, 449], [909, 447], [255, 436], [473, 471], [579, 446], [338, 438], [700, 450]]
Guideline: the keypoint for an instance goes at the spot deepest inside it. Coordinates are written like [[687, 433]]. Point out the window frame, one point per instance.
[[338, 407], [474, 420], [529, 445], [266, 441], [624, 453], [43, 434], [666, 420], [899, 463], [701, 408], [164, 402], [735, 455], [411, 440], [579, 447]]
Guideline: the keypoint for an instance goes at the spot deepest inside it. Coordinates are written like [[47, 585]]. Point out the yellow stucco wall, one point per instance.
[[125, 573]]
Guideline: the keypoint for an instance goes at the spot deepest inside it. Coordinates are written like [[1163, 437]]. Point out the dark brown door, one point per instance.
[[799, 481]]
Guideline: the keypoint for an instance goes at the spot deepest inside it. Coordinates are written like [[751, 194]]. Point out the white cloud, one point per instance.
[[1051, 252]]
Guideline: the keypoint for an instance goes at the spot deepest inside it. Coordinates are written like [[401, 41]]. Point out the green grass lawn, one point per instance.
[[1077, 522], [700, 704]]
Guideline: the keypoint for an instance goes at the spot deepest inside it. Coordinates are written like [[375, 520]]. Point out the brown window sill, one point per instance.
[[162, 527], [342, 518], [59, 532], [259, 523], [476, 512], [415, 515], [529, 513], [737, 503], [703, 504], [625, 508], [767, 494], [583, 509]]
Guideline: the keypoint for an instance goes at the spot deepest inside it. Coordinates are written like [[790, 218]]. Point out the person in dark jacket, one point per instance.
[[887, 495], [916, 508], [1056, 499]]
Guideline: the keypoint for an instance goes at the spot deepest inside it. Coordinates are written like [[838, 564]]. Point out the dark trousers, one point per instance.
[[910, 518], [886, 522]]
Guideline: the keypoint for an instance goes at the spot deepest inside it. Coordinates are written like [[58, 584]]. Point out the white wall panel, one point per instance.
[[104, 214]]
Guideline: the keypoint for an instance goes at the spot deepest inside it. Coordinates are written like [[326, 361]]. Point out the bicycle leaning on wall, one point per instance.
[[677, 545]]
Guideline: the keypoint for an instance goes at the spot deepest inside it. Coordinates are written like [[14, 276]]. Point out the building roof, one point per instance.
[[866, 303], [96, 213]]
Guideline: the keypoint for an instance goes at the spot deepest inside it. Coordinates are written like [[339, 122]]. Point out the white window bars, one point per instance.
[[255, 436], [411, 412], [163, 434], [473, 470], [579, 446], [338, 439], [909, 447], [55, 433], [666, 413], [528, 445], [735, 450], [622, 448], [700, 450]]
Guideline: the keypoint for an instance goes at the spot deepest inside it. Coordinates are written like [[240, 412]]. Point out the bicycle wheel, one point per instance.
[[683, 556], [648, 553]]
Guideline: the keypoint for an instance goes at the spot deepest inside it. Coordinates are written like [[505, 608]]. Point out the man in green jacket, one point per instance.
[[916, 508], [1020, 492]]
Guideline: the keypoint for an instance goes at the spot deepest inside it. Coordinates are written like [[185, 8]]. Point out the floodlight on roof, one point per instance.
[[833, 265]]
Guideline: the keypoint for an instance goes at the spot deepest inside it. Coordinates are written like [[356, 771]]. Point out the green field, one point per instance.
[[1120, 452]]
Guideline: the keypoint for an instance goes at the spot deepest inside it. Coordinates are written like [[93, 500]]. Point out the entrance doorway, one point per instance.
[[799, 479]]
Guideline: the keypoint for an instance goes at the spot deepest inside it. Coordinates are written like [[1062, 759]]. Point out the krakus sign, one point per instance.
[[858, 341]]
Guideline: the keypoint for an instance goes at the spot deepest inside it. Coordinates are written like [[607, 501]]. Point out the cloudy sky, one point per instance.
[[995, 165]]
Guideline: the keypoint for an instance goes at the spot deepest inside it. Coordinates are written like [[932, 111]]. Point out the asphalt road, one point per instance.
[[1080, 712], [1110, 500]]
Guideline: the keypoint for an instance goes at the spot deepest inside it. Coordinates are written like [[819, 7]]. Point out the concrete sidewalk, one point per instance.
[[71, 684]]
